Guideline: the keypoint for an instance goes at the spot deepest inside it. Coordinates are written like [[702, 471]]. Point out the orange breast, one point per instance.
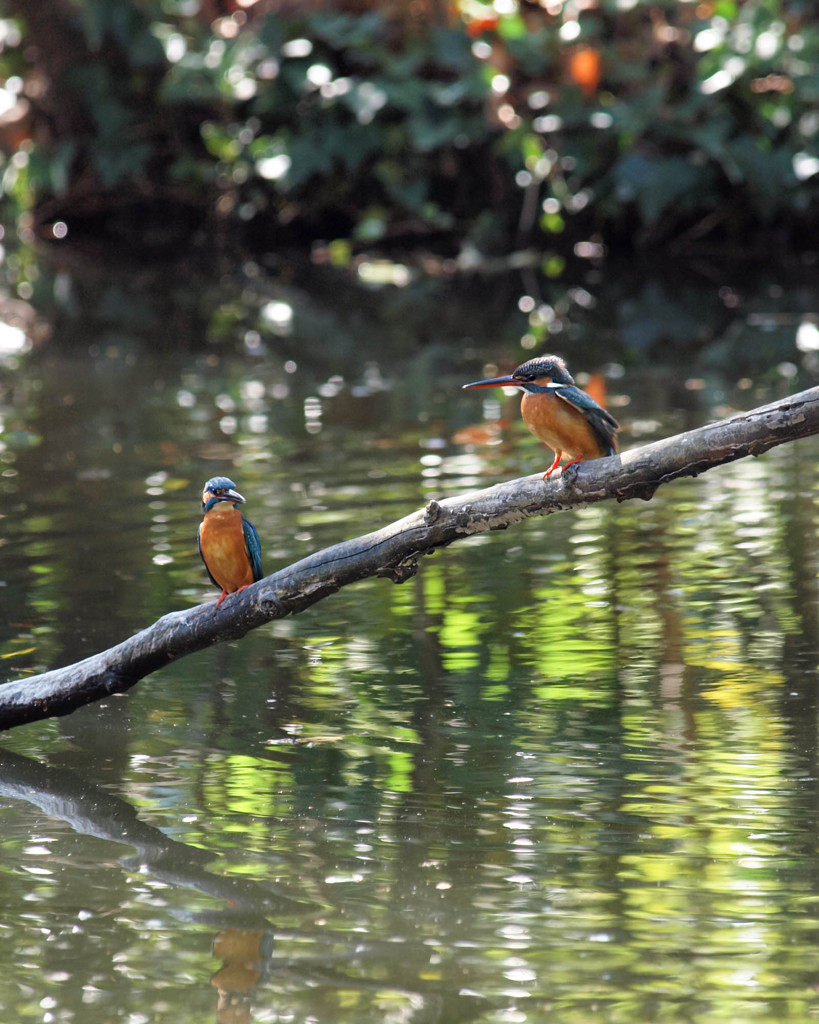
[[559, 425], [223, 547]]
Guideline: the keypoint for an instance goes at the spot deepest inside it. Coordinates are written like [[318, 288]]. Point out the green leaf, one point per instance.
[[654, 183], [272, 33], [767, 172], [452, 48], [512, 26]]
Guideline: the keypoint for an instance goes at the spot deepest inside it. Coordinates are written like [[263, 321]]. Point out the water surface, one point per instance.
[[566, 773]]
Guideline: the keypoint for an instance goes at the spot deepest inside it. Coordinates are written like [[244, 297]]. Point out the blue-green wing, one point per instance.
[[602, 423], [253, 547]]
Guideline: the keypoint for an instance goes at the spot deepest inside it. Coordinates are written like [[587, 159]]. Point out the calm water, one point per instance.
[[566, 774]]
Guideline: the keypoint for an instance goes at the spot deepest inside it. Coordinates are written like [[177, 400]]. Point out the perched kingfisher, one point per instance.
[[228, 543], [557, 412]]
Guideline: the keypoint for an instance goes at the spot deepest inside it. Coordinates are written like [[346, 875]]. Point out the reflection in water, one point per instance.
[[316, 956], [503, 860], [92, 812], [566, 773]]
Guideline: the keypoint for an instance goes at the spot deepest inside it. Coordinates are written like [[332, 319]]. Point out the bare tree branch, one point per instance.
[[394, 552]]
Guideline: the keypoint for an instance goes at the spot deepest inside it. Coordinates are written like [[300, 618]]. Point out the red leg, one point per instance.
[[225, 593], [573, 462], [554, 465]]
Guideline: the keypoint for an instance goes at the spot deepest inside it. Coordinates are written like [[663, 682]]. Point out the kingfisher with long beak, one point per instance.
[[557, 412], [228, 543]]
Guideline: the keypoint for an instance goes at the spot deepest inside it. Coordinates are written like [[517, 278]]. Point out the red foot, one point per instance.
[[554, 465], [573, 462], [225, 593]]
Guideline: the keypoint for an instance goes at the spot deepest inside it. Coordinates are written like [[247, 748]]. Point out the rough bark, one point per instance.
[[394, 552]]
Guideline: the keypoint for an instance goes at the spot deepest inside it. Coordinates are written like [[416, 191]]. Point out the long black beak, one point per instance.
[[494, 382], [209, 499]]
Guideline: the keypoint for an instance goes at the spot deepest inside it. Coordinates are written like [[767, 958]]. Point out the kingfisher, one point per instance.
[[228, 543], [557, 412]]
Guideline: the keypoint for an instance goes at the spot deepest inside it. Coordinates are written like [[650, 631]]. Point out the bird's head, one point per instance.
[[220, 488], [533, 375]]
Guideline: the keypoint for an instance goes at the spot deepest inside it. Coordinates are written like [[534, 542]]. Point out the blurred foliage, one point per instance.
[[488, 125]]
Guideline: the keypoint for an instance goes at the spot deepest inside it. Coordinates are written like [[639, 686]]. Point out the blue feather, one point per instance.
[[253, 547], [602, 423]]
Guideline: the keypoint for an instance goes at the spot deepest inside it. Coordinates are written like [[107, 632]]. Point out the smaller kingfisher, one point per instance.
[[557, 412], [228, 543]]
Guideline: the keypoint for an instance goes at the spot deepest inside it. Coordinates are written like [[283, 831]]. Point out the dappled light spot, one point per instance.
[[8, 100], [253, 393], [13, 341], [176, 47], [273, 168], [507, 116], [278, 316], [312, 414], [569, 30], [337, 87], [268, 69], [253, 343], [319, 75], [589, 250], [227, 28], [384, 272], [805, 165], [773, 83], [295, 48], [332, 387], [712, 36], [768, 43], [723, 78], [807, 336], [548, 123]]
